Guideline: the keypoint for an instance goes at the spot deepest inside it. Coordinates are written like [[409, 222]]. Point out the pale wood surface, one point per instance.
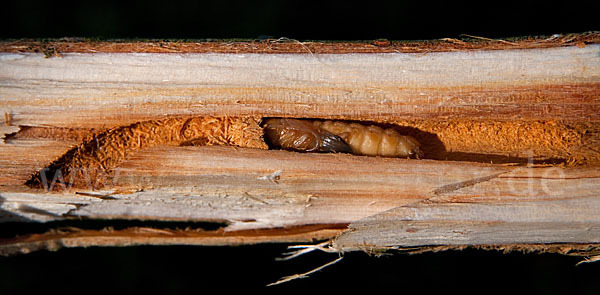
[[557, 221], [503, 204], [108, 89], [227, 183]]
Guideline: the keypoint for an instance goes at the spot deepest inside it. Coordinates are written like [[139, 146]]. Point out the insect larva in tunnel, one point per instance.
[[336, 136], [373, 140], [302, 135]]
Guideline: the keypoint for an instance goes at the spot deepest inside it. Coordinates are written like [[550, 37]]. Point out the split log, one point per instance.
[[510, 133]]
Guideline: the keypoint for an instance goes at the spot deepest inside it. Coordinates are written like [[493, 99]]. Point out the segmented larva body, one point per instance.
[[335, 136], [373, 140], [302, 135]]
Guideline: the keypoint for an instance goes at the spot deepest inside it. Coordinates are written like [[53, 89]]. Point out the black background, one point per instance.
[[303, 20], [198, 269]]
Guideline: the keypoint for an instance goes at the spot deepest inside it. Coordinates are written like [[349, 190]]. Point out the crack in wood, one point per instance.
[[458, 185]]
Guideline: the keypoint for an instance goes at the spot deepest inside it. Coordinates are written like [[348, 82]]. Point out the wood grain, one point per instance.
[[226, 183], [97, 90], [557, 221]]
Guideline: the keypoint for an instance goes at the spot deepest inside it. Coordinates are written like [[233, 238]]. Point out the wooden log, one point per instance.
[[96, 90], [511, 139]]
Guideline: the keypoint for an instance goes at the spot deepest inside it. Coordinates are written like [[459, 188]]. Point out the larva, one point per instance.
[[335, 136], [302, 135], [373, 140]]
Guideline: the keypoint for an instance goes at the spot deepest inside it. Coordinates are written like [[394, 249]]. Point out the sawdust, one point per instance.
[[498, 142], [89, 163]]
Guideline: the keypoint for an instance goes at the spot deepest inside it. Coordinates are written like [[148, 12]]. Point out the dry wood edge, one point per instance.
[[55, 47], [68, 237], [136, 236]]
